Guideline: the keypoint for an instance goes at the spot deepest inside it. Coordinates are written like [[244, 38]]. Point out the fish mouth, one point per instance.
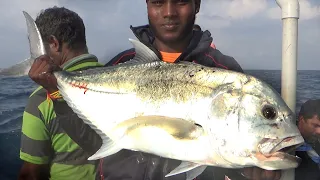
[[275, 153], [288, 145]]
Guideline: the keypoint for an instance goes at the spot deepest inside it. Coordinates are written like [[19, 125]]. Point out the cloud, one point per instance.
[[249, 30], [11, 11], [233, 9], [222, 13], [240, 9]]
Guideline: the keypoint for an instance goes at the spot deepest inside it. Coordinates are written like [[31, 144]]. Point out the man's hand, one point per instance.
[[31, 171], [41, 72], [255, 173]]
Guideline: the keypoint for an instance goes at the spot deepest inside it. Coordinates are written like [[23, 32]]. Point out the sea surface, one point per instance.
[[14, 93]]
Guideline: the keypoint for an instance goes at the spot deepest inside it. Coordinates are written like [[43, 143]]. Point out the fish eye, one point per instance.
[[269, 112]]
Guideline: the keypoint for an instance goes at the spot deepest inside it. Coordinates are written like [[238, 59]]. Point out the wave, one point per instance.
[[16, 95], [10, 130], [7, 119], [11, 120]]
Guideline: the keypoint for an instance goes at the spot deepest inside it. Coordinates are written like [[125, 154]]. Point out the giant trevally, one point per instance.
[[196, 114], [200, 115]]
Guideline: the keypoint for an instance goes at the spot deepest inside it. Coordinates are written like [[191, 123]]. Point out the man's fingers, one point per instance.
[[38, 70], [260, 174], [54, 68], [247, 172], [42, 65], [51, 79], [42, 61], [38, 62], [269, 175], [256, 174], [35, 65], [41, 71], [278, 175], [42, 58]]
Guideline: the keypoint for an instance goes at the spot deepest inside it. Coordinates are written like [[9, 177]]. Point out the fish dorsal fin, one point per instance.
[[143, 53]]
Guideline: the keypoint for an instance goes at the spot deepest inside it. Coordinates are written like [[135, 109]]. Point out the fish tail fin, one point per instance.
[[34, 36]]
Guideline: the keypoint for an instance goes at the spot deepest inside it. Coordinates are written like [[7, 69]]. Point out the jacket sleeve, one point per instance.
[[232, 63], [214, 58], [122, 57], [78, 131]]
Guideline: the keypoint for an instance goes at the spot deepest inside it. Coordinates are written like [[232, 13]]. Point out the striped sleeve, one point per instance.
[[35, 139]]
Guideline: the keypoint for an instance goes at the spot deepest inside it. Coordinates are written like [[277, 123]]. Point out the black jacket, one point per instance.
[[308, 169], [199, 50], [130, 165]]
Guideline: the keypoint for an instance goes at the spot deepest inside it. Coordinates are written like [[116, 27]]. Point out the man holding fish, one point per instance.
[[47, 151], [148, 93]]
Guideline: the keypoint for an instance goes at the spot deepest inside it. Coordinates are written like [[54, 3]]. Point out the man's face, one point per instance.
[[172, 20], [310, 128]]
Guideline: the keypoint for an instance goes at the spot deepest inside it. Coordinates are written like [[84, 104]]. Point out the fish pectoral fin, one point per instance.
[[108, 148], [192, 170], [178, 128], [192, 174]]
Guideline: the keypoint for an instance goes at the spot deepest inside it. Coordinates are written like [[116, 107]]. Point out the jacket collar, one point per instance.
[[199, 43]]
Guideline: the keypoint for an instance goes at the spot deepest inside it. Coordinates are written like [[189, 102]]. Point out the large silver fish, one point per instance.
[[202, 116]]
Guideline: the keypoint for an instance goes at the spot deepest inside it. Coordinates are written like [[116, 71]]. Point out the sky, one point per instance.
[[248, 30]]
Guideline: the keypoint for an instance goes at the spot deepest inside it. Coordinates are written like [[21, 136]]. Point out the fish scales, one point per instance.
[[154, 81], [223, 111]]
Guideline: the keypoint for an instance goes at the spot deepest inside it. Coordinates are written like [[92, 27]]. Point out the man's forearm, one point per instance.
[[78, 131], [29, 176], [233, 174]]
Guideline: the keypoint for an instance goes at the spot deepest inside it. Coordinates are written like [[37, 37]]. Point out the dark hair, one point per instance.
[[310, 108], [64, 24]]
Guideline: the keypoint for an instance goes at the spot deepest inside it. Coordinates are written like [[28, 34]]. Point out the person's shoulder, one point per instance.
[[306, 165], [121, 57], [223, 60], [38, 96], [37, 105]]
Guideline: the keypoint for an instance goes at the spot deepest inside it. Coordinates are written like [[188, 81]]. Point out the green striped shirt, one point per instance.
[[44, 142]]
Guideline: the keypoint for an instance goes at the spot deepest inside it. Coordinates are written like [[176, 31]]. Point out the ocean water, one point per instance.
[[14, 93]]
